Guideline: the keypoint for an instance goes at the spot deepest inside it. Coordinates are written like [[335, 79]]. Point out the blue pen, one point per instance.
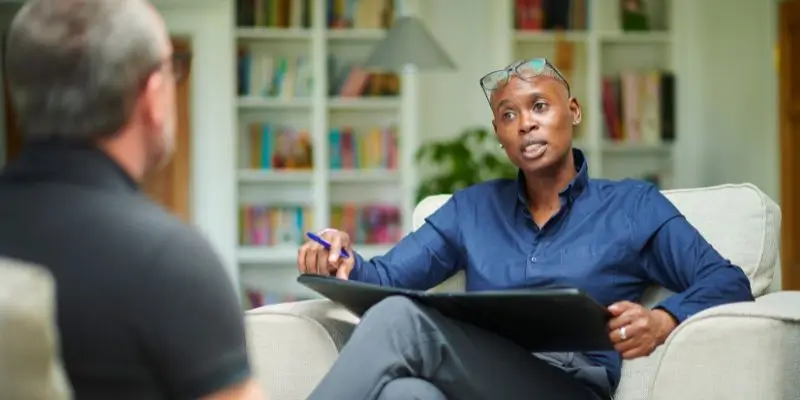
[[325, 244]]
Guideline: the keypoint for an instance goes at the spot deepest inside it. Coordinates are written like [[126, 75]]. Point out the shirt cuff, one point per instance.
[[673, 306], [358, 268], [355, 273]]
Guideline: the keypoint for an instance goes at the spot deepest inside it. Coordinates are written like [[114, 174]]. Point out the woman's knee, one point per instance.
[[410, 389], [392, 310]]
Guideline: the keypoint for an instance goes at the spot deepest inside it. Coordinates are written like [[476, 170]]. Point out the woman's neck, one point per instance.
[[543, 188]]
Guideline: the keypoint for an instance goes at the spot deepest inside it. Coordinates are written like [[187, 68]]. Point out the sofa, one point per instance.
[[737, 351], [30, 362]]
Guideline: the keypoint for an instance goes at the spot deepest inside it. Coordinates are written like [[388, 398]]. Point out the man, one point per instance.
[[552, 225], [145, 309]]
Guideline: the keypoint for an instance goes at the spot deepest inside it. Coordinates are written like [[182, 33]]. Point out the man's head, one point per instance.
[[533, 113], [98, 71]]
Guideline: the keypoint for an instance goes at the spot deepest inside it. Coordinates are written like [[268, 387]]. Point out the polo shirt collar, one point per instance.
[[62, 161], [572, 190]]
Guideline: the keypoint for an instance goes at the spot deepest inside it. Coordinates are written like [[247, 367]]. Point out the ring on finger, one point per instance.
[[623, 334]]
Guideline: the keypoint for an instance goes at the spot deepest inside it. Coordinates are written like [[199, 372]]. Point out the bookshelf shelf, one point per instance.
[[635, 37], [637, 148], [521, 36], [273, 103], [267, 255], [619, 64], [286, 255], [267, 176], [363, 103], [323, 111], [365, 176], [355, 34], [258, 33]]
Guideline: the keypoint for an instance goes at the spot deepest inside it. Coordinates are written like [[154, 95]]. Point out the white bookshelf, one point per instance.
[[602, 49], [272, 268]]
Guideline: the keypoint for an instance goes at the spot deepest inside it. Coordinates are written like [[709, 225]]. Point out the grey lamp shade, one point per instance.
[[409, 42]]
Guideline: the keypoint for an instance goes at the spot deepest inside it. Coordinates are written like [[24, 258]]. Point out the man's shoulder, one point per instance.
[[170, 237], [124, 226], [135, 217]]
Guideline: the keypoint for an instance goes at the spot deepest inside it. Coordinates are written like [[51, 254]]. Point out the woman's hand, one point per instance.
[[636, 331], [314, 258]]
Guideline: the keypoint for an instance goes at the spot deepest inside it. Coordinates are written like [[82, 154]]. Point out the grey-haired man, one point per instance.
[[144, 307]]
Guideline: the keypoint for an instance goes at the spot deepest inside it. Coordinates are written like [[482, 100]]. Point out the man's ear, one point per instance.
[[150, 98], [575, 111]]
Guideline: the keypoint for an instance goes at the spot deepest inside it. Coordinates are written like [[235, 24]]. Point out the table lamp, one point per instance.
[[407, 49]]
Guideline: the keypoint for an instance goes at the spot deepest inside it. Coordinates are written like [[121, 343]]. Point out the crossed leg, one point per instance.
[[400, 344]]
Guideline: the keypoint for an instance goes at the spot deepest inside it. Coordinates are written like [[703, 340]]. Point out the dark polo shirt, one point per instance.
[[145, 309]]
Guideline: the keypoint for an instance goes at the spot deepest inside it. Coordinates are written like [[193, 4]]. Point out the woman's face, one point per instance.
[[533, 120]]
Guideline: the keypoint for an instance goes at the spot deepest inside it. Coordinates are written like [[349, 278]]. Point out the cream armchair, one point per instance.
[[30, 361], [737, 351]]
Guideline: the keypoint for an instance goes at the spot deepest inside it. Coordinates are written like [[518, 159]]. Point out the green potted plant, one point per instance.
[[470, 158]]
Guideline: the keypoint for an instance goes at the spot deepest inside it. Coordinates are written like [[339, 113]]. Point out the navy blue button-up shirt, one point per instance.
[[611, 239]]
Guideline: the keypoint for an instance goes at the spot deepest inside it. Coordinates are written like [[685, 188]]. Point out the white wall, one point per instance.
[[728, 93], [213, 188], [453, 101]]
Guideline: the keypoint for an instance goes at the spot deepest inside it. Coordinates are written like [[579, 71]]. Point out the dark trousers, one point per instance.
[[402, 350]]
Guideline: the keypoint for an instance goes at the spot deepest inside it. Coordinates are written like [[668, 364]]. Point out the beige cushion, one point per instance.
[[30, 366]]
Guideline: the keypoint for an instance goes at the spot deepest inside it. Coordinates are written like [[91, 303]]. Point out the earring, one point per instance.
[[500, 145], [576, 122]]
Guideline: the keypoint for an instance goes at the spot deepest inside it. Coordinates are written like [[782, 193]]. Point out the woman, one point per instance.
[[552, 225]]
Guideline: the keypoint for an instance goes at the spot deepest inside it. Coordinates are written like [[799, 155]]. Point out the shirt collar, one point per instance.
[[69, 162], [573, 189]]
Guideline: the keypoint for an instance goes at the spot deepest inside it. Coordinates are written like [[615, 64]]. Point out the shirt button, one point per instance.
[[533, 259]]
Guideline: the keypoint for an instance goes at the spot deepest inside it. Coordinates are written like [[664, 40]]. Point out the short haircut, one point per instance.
[[76, 67]]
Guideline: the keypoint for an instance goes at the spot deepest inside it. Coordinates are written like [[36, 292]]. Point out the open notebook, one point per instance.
[[552, 319]]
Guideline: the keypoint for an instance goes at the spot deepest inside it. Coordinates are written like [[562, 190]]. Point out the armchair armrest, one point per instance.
[[736, 351], [292, 345]]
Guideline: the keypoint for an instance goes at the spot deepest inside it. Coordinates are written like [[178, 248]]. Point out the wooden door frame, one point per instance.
[[789, 142], [179, 168], [12, 138], [183, 153]]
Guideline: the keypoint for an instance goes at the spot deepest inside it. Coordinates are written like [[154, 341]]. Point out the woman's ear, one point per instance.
[[575, 111], [499, 143]]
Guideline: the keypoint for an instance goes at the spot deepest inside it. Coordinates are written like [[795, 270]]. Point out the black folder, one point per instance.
[[539, 320]]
